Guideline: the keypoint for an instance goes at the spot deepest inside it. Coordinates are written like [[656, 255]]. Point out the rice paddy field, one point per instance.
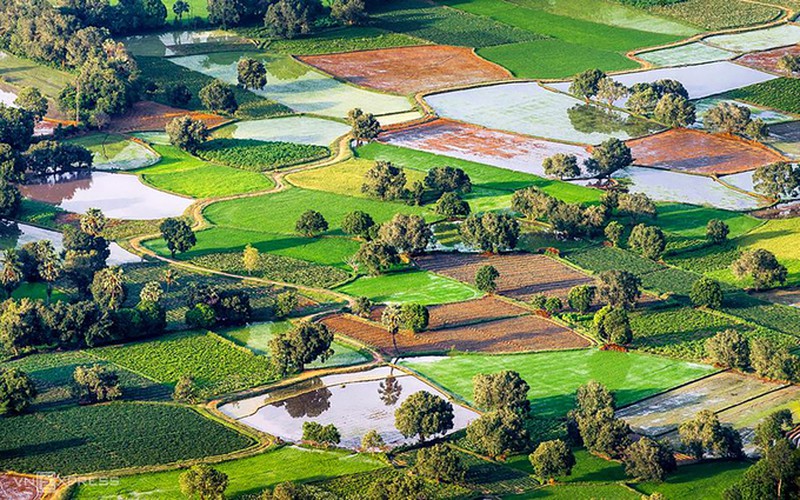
[[691, 53], [20, 73], [296, 86], [755, 40], [293, 129], [556, 375], [530, 109], [417, 287]]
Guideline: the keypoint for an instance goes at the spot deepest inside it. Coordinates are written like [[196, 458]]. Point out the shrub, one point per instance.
[[552, 305], [325, 435], [717, 231], [204, 482], [502, 390], [95, 384], [357, 223], [706, 293], [498, 433], [552, 459], [17, 391], [451, 206], [580, 298], [187, 133], [648, 241], [415, 317], [201, 316], [486, 279], [760, 265], [649, 460], [440, 463], [613, 325]]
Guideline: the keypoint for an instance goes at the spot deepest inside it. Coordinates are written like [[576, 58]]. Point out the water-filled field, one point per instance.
[[15, 235], [528, 108], [692, 53], [119, 196], [298, 129], [297, 86], [114, 152], [176, 42], [749, 41], [665, 185], [356, 403], [727, 76]]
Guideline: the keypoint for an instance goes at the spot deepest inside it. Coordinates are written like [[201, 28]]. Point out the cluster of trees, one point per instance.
[[387, 182], [501, 430], [408, 234], [408, 316], [731, 118], [293, 350], [606, 158], [778, 180], [761, 266], [123, 17], [767, 359], [667, 101], [209, 306]]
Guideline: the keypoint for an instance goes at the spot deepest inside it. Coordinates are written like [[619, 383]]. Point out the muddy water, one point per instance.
[[14, 235], [355, 403], [119, 196]]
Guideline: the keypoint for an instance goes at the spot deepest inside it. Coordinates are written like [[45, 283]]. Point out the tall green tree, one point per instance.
[[17, 391], [251, 73], [178, 235], [424, 415]]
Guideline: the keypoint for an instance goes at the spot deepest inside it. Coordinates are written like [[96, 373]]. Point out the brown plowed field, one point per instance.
[[522, 275], [465, 313], [521, 334], [407, 70], [700, 152], [768, 59], [148, 116]]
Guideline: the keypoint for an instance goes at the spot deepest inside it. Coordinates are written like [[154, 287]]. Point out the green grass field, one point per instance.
[[579, 491], [702, 480], [343, 40], [182, 173], [588, 468], [689, 221], [781, 237], [419, 287], [216, 364], [555, 376], [248, 476], [484, 178]]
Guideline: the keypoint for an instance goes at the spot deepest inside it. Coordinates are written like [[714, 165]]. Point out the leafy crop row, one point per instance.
[[782, 94], [80, 439], [277, 268], [259, 156]]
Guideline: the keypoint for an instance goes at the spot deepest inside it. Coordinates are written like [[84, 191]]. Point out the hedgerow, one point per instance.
[[277, 268], [259, 156]]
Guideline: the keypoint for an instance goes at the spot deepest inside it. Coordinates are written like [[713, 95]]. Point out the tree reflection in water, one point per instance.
[[308, 404], [389, 390]]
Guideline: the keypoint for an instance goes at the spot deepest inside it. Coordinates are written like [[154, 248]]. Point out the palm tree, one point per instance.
[[50, 266], [93, 222], [170, 278], [391, 318], [11, 275]]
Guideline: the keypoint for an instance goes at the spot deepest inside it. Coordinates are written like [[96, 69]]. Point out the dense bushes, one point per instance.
[[259, 156]]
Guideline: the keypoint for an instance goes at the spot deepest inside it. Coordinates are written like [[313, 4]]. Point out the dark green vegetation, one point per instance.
[[341, 40], [259, 156], [276, 268], [782, 94]]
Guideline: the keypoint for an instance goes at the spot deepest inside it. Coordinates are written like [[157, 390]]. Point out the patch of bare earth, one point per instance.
[[768, 60], [146, 116], [18, 487], [700, 152], [407, 70], [522, 275], [516, 334], [465, 313]]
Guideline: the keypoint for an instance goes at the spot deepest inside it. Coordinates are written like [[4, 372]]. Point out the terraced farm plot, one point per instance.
[[518, 334], [527, 108], [408, 70], [668, 186], [762, 39], [555, 376], [148, 116], [79, 439], [294, 85], [295, 129], [417, 287], [487, 308], [522, 275], [769, 116], [699, 152], [712, 15], [727, 76], [683, 55], [768, 59], [665, 412], [481, 145]]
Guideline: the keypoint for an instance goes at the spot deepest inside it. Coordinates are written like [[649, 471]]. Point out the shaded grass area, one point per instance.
[[782, 94], [588, 468], [182, 173], [580, 491], [555, 376], [248, 476], [420, 287], [163, 73], [702, 480], [20, 73]]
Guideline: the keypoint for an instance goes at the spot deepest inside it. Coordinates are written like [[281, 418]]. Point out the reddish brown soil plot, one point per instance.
[[407, 70], [14, 487], [522, 275], [148, 116], [700, 152], [520, 334], [768, 59], [465, 313]]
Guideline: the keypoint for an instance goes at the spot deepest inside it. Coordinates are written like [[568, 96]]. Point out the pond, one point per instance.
[[119, 196], [527, 108], [355, 403], [297, 86], [15, 235], [666, 185]]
